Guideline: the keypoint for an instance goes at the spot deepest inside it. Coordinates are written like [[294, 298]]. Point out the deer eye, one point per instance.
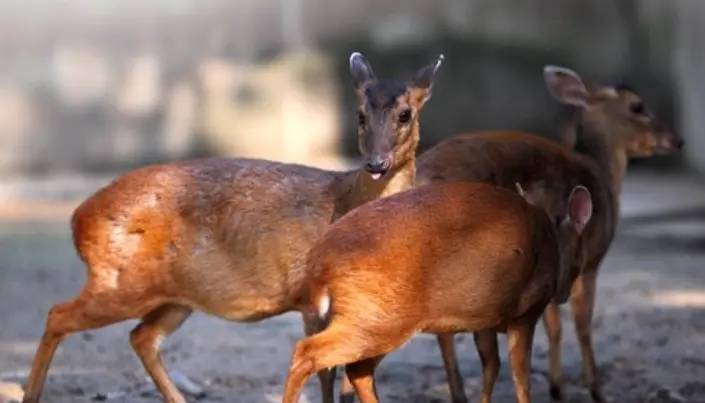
[[361, 119], [637, 108], [405, 116]]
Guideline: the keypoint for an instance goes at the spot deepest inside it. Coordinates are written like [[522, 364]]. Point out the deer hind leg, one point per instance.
[[486, 343], [90, 310], [361, 376], [583, 301], [326, 377], [552, 324], [520, 336], [339, 344], [146, 339], [450, 362]]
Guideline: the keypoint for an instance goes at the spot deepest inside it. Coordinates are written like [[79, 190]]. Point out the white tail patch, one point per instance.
[[323, 305]]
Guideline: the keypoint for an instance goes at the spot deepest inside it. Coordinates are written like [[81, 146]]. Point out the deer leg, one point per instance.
[[486, 343], [326, 377], [347, 393], [361, 376], [450, 362], [552, 324], [520, 338], [338, 344], [87, 311], [583, 301], [146, 339]]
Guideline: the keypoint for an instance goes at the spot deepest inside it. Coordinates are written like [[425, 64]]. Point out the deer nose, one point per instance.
[[377, 165], [679, 143]]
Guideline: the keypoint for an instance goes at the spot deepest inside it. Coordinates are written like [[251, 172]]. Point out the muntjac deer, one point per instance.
[[443, 258], [610, 125], [221, 235]]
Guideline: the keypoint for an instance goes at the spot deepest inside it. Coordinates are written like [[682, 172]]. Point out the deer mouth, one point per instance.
[[378, 167], [376, 176]]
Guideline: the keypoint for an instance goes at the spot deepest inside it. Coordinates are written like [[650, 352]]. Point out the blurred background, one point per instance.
[[98, 87], [92, 88]]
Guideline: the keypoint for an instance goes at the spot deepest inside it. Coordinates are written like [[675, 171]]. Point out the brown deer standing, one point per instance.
[[610, 125], [221, 235], [450, 257]]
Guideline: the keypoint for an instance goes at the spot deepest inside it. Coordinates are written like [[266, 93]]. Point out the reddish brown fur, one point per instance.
[[503, 159], [429, 260], [223, 236]]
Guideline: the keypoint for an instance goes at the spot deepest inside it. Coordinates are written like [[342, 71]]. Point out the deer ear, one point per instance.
[[423, 79], [565, 85], [360, 70], [580, 208], [534, 196]]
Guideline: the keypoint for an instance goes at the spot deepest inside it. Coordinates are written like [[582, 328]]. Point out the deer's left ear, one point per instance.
[[565, 85]]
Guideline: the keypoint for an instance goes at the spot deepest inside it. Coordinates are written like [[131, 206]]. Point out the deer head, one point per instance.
[[388, 115], [616, 112]]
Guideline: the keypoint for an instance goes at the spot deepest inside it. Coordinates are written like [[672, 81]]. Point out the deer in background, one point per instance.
[[443, 258], [610, 125], [222, 235]]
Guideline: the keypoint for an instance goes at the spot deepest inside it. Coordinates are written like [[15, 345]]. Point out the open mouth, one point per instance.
[[378, 168]]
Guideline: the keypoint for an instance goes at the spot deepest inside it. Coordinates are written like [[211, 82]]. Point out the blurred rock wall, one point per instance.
[[689, 72], [103, 86]]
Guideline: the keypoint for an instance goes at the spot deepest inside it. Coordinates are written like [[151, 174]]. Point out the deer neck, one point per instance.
[[366, 189], [357, 187], [593, 139]]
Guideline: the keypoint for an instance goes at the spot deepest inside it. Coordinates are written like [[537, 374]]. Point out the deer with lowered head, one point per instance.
[[443, 258], [221, 235]]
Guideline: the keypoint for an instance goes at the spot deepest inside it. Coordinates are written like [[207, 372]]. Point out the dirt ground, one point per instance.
[[649, 323]]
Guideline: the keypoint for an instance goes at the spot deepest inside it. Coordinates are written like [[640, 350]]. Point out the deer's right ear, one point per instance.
[[534, 195], [360, 70], [565, 85]]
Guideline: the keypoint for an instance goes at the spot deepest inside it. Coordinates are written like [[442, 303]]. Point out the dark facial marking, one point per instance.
[[637, 108], [383, 93]]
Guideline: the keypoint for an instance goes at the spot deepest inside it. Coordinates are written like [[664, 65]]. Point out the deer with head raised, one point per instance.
[[443, 258], [222, 235], [610, 125]]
